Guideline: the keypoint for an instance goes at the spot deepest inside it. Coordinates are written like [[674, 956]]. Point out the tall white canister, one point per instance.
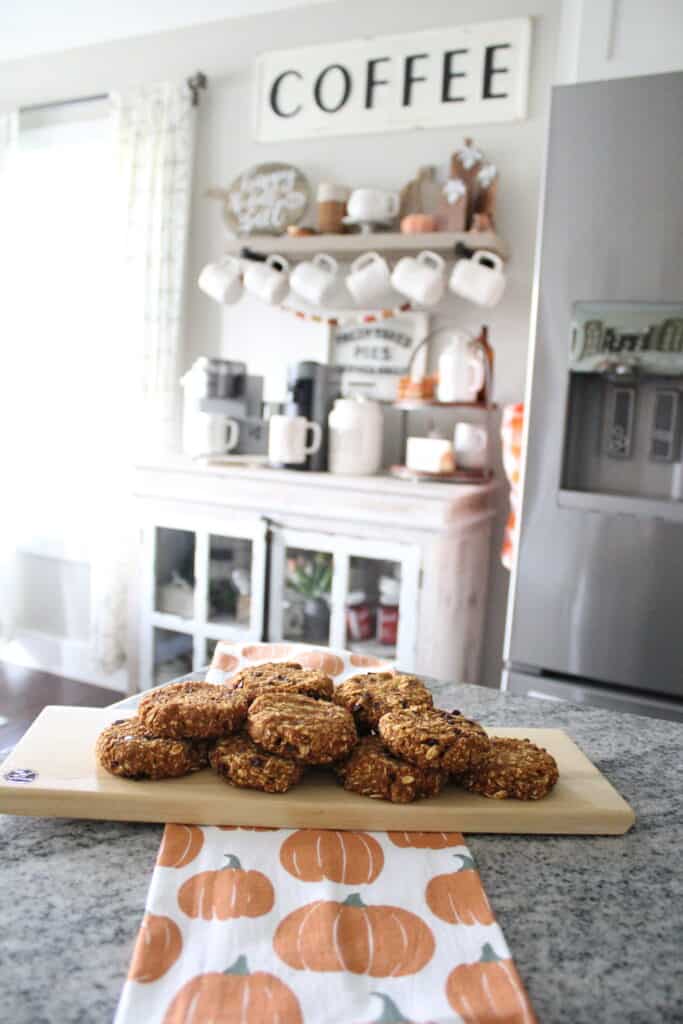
[[355, 437]]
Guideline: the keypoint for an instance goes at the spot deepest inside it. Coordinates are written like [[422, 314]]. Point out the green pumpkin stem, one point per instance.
[[233, 861], [467, 862], [390, 1011], [489, 955], [240, 966], [353, 900]]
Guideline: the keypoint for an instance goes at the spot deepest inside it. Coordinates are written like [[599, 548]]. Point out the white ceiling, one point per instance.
[[30, 27]]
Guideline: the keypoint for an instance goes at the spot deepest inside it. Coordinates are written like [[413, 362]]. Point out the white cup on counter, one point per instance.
[[373, 204], [222, 280], [269, 280], [288, 439], [430, 455], [314, 279], [473, 279], [205, 434], [369, 278], [421, 278], [471, 445]]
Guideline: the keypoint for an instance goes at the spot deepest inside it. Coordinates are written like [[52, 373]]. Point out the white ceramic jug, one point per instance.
[[355, 438], [461, 370]]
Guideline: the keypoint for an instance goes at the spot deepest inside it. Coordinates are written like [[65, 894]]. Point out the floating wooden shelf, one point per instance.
[[391, 243], [415, 404]]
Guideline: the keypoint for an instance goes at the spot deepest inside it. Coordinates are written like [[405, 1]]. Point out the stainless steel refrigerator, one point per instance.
[[596, 600]]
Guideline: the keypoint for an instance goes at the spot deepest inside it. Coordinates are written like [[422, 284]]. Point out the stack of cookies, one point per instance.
[[266, 726]]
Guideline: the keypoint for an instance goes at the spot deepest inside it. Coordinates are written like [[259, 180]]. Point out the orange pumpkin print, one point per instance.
[[323, 661], [229, 892], [426, 840], [236, 997], [180, 845], [158, 946], [224, 662], [459, 898], [266, 652], [489, 990], [380, 941], [248, 828], [351, 858]]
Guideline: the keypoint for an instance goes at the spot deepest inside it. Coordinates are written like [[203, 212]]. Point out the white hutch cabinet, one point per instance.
[[237, 553]]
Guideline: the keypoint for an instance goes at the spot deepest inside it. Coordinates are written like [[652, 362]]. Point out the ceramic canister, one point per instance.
[[355, 437]]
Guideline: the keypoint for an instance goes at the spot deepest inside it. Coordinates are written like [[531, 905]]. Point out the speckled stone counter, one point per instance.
[[595, 924]]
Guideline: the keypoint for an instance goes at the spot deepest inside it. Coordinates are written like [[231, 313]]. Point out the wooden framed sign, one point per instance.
[[455, 75], [372, 357]]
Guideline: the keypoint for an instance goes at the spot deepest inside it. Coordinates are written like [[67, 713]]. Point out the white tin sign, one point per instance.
[[372, 357], [457, 75]]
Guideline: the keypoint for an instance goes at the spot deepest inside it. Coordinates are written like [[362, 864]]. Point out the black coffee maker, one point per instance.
[[312, 388]]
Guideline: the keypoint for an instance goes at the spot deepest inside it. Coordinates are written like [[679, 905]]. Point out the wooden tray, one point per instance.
[[59, 749]]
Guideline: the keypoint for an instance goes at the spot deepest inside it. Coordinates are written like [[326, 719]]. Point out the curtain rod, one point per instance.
[[195, 84]]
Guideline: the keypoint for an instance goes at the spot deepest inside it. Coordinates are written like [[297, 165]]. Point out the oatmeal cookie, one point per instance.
[[513, 768], [192, 710], [434, 739], [126, 748], [372, 695], [239, 761], [281, 677], [310, 731], [372, 771]]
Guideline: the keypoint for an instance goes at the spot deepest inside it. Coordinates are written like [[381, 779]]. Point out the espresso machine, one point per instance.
[[222, 411], [312, 388]]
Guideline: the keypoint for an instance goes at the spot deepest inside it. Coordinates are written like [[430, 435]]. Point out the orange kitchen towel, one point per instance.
[[275, 926], [511, 431]]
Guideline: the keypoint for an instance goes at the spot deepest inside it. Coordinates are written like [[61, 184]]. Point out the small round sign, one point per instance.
[[265, 200]]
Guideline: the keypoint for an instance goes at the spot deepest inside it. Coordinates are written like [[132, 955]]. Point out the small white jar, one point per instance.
[[355, 437]]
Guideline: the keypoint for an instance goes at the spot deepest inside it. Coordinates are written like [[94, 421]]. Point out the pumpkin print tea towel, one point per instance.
[[274, 926]]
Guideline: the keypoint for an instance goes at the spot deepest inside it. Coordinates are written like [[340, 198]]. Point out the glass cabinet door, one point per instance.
[[229, 581], [172, 655], [174, 572], [306, 595], [372, 607]]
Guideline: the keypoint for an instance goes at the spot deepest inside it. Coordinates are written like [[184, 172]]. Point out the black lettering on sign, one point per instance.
[[274, 95], [371, 81], [490, 71], [409, 78], [318, 87], [449, 74]]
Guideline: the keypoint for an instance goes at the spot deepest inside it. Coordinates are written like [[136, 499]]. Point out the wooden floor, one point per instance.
[[24, 693]]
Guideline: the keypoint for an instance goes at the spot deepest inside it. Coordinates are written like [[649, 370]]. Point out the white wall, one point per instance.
[[226, 51]]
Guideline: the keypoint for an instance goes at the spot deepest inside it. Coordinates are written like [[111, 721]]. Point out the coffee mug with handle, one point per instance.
[[471, 445], [222, 280], [473, 279], [373, 204], [462, 370], [287, 439], [268, 280], [369, 278], [420, 278], [207, 434], [314, 279]]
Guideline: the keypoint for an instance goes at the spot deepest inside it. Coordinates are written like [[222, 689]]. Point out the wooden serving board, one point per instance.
[[59, 749]]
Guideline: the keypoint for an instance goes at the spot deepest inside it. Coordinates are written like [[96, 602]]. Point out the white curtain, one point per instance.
[[155, 142], [9, 124]]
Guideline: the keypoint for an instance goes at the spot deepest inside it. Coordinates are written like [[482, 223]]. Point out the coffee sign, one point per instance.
[[453, 76]]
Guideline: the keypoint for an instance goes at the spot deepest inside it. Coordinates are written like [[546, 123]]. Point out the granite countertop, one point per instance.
[[594, 923]]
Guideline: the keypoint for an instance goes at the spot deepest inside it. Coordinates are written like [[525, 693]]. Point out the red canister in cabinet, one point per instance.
[[387, 611], [358, 616]]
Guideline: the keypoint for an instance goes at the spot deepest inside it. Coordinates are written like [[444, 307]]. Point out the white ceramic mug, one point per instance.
[[420, 278], [287, 439], [474, 280], [314, 279], [222, 280], [373, 204], [471, 445], [430, 455], [205, 433], [268, 281], [369, 278]]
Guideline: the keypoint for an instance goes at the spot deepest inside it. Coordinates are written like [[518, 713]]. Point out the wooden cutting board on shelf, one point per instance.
[[52, 772]]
